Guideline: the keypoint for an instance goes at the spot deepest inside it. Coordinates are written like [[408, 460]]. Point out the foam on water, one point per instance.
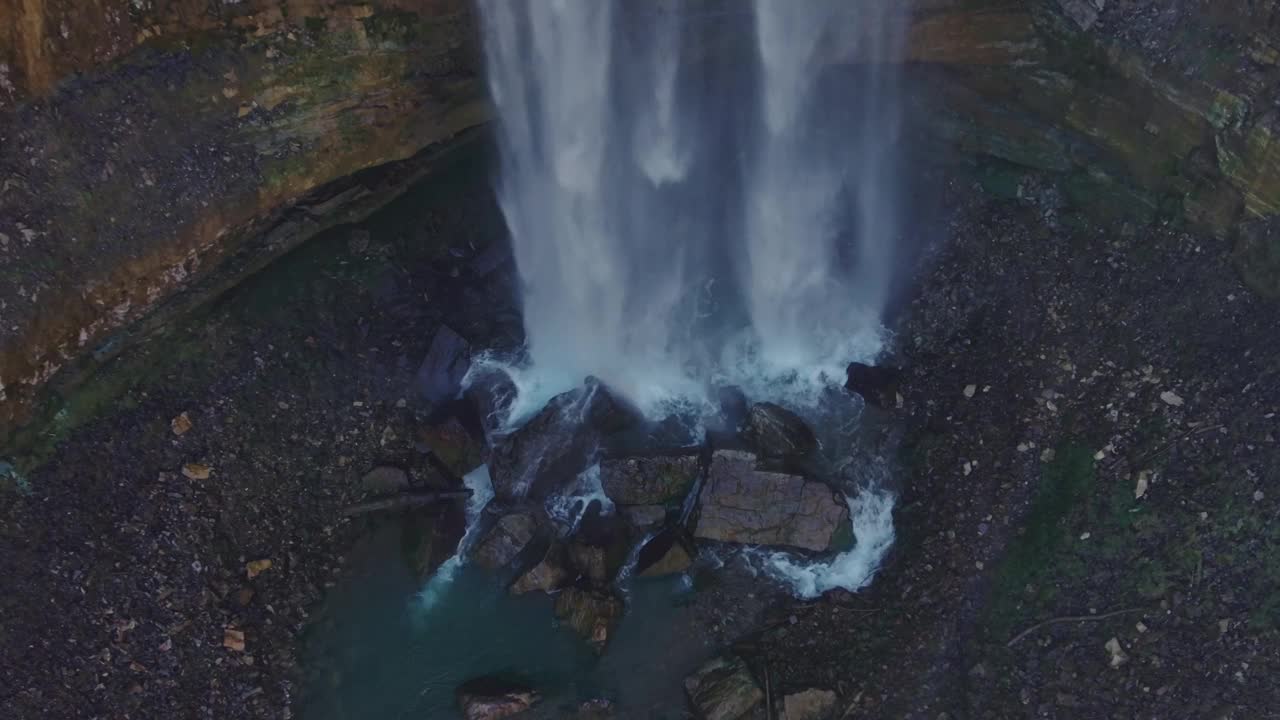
[[481, 487], [872, 514]]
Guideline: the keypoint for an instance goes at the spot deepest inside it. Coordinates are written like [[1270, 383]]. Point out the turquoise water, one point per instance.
[[373, 653]]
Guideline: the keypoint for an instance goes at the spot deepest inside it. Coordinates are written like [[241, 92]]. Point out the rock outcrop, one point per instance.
[[508, 537], [811, 704], [491, 698], [592, 613], [151, 149], [549, 451], [551, 573], [775, 431], [653, 478], [742, 504], [723, 689], [666, 553]]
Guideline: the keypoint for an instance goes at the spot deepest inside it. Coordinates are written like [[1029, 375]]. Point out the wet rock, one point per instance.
[[439, 377], [491, 698], [549, 451], [551, 573], [505, 541], [592, 613], [456, 448], [775, 431], [385, 480], [877, 385], [723, 689], [655, 478], [490, 395], [811, 704], [645, 516], [600, 545], [741, 504], [734, 405], [667, 553], [597, 709]]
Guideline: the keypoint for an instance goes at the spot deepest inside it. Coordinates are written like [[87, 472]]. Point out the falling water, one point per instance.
[[676, 221], [688, 210]]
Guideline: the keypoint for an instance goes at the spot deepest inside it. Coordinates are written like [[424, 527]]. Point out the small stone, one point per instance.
[[1084, 536], [970, 390], [1223, 625], [1144, 480], [1171, 398], [967, 468], [1118, 656], [233, 639], [1258, 496], [979, 565], [811, 704], [181, 424], [1140, 627], [1047, 455], [196, 471], [257, 567]]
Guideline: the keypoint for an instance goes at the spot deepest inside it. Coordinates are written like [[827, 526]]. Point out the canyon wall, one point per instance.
[[145, 143], [153, 152]]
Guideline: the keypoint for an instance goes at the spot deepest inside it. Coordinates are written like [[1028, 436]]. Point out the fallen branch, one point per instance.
[[1070, 618], [406, 499]]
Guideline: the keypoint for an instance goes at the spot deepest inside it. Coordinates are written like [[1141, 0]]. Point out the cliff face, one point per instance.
[[143, 144], [1146, 111]]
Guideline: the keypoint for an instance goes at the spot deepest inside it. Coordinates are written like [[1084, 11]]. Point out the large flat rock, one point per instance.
[[741, 504], [654, 478]]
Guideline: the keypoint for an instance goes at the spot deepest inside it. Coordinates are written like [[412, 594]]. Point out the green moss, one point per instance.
[[1066, 482]]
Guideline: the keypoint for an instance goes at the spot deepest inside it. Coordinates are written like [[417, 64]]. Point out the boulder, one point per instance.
[[666, 553], [742, 504], [878, 386], [551, 573], [811, 704], [439, 377], [385, 480], [548, 452], [600, 544], [491, 698], [454, 447], [644, 516], [653, 478], [592, 613], [775, 431], [723, 689], [505, 541], [490, 393]]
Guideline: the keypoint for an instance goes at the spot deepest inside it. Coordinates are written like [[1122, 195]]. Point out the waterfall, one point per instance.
[[684, 208], [481, 487]]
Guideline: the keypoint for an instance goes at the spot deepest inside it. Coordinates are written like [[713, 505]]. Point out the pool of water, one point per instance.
[[375, 652]]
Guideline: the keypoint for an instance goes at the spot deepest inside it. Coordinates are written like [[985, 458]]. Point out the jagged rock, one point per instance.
[[505, 541], [491, 698], [654, 478], [549, 451], [876, 384], [597, 709], [551, 573], [645, 516], [665, 554], [490, 394], [811, 704], [439, 377], [723, 689], [600, 545], [385, 480], [592, 613], [775, 431], [457, 449], [741, 504]]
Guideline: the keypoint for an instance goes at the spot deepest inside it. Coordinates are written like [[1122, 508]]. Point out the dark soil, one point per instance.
[[125, 574], [1097, 356]]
